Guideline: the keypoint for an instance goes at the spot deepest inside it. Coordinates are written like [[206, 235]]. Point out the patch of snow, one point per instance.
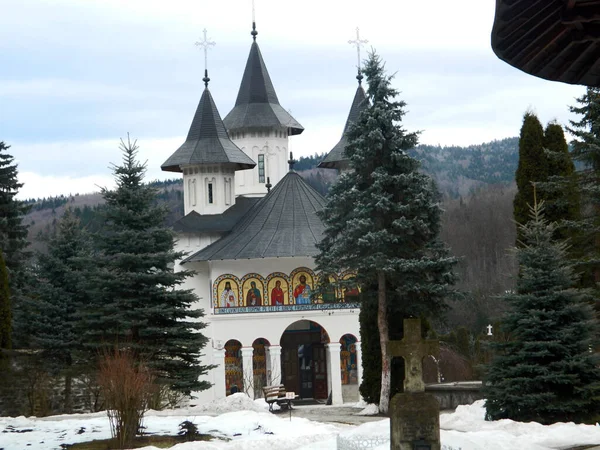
[[370, 410]]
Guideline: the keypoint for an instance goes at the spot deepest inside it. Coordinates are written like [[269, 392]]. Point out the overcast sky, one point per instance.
[[77, 75]]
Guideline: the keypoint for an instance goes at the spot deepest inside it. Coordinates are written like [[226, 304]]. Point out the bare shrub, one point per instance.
[[127, 385]]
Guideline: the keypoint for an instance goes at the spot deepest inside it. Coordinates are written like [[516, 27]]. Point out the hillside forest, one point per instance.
[[477, 190]]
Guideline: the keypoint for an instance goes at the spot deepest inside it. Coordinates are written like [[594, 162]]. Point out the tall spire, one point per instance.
[[358, 42], [257, 105], [207, 141], [205, 44]]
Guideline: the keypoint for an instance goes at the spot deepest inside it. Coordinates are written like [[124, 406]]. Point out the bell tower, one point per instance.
[[260, 126]]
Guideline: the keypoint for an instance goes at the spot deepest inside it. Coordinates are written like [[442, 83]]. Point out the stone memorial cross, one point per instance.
[[413, 349]]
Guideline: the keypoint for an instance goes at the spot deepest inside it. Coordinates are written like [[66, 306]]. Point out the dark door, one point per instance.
[[289, 376], [319, 371], [305, 361]]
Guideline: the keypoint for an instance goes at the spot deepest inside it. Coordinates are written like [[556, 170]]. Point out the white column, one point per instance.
[[219, 373], [247, 353], [274, 365], [333, 369], [359, 367]]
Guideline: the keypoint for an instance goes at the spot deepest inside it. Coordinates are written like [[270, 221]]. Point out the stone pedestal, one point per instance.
[[414, 422]]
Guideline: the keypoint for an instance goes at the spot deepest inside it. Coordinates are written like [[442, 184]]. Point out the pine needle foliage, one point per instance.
[[137, 299], [586, 149], [546, 371], [382, 217], [60, 295]]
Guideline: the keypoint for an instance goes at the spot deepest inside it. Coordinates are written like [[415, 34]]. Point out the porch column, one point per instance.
[[247, 353], [359, 367], [274, 364], [334, 372], [219, 373]]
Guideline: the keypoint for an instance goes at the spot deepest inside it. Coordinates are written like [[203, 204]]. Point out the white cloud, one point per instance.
[[37, 186]]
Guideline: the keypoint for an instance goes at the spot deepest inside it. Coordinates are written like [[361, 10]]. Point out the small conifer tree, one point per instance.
[[546, 372], [60, 295]]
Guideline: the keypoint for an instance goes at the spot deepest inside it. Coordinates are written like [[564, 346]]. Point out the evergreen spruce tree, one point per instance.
[[546, 372], [560, 192], [382, 218], [533, 165], [13, 243], [586, 148], [60, 296], [137, 299], [5, 308]]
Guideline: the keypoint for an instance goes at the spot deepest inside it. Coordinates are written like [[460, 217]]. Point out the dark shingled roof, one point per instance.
[[336, 156], [218, 223], [257, 105], [283, 223], [207, 141], [553, 39]]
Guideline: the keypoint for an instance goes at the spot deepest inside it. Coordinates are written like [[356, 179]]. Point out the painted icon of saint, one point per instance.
[[277, 294], [302, 292], [328, 291], [253, 297], [228, 298]]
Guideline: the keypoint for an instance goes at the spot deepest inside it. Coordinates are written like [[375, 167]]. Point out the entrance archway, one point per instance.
[[303, 359]]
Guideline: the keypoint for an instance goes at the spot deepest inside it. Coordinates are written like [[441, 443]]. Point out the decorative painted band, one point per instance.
[[282, 308]]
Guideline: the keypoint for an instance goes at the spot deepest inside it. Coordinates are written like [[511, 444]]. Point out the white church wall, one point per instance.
[[272, 144]]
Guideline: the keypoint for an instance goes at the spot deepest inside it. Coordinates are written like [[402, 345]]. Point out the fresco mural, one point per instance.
[[282, 292], [303, 285], [278, 289], [348, 360], [234, 374], [327, 290], [227, 293], [350, 291], [253, 290]]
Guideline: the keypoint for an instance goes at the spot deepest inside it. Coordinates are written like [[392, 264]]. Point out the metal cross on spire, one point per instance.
[[358, 42], [253, 32], [205, 44]]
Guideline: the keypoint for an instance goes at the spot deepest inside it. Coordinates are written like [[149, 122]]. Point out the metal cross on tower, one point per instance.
[[205, 44], [358, 42]]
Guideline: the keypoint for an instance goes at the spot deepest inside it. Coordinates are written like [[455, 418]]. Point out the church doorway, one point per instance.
[[303, 359]]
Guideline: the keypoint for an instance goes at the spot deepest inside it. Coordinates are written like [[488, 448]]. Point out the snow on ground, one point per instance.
[[243, 424]]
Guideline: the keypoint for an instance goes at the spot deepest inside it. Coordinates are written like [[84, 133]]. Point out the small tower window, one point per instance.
[[210, 193], [261, 168]]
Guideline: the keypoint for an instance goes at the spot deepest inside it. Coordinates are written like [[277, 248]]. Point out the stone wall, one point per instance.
[[450, 395]]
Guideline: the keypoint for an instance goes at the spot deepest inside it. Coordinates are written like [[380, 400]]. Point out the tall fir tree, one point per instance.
[[586, 148], [13, 233], [532, 168], [382, 218], [561, 193], [546, 371], [60, 296], [5, 308], [137, 301], [13, 242]]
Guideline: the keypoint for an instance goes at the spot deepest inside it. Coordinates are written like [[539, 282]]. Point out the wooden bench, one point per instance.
[[277, 394]]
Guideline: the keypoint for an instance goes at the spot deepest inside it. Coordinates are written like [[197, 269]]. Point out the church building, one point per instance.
[[250, 231]]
